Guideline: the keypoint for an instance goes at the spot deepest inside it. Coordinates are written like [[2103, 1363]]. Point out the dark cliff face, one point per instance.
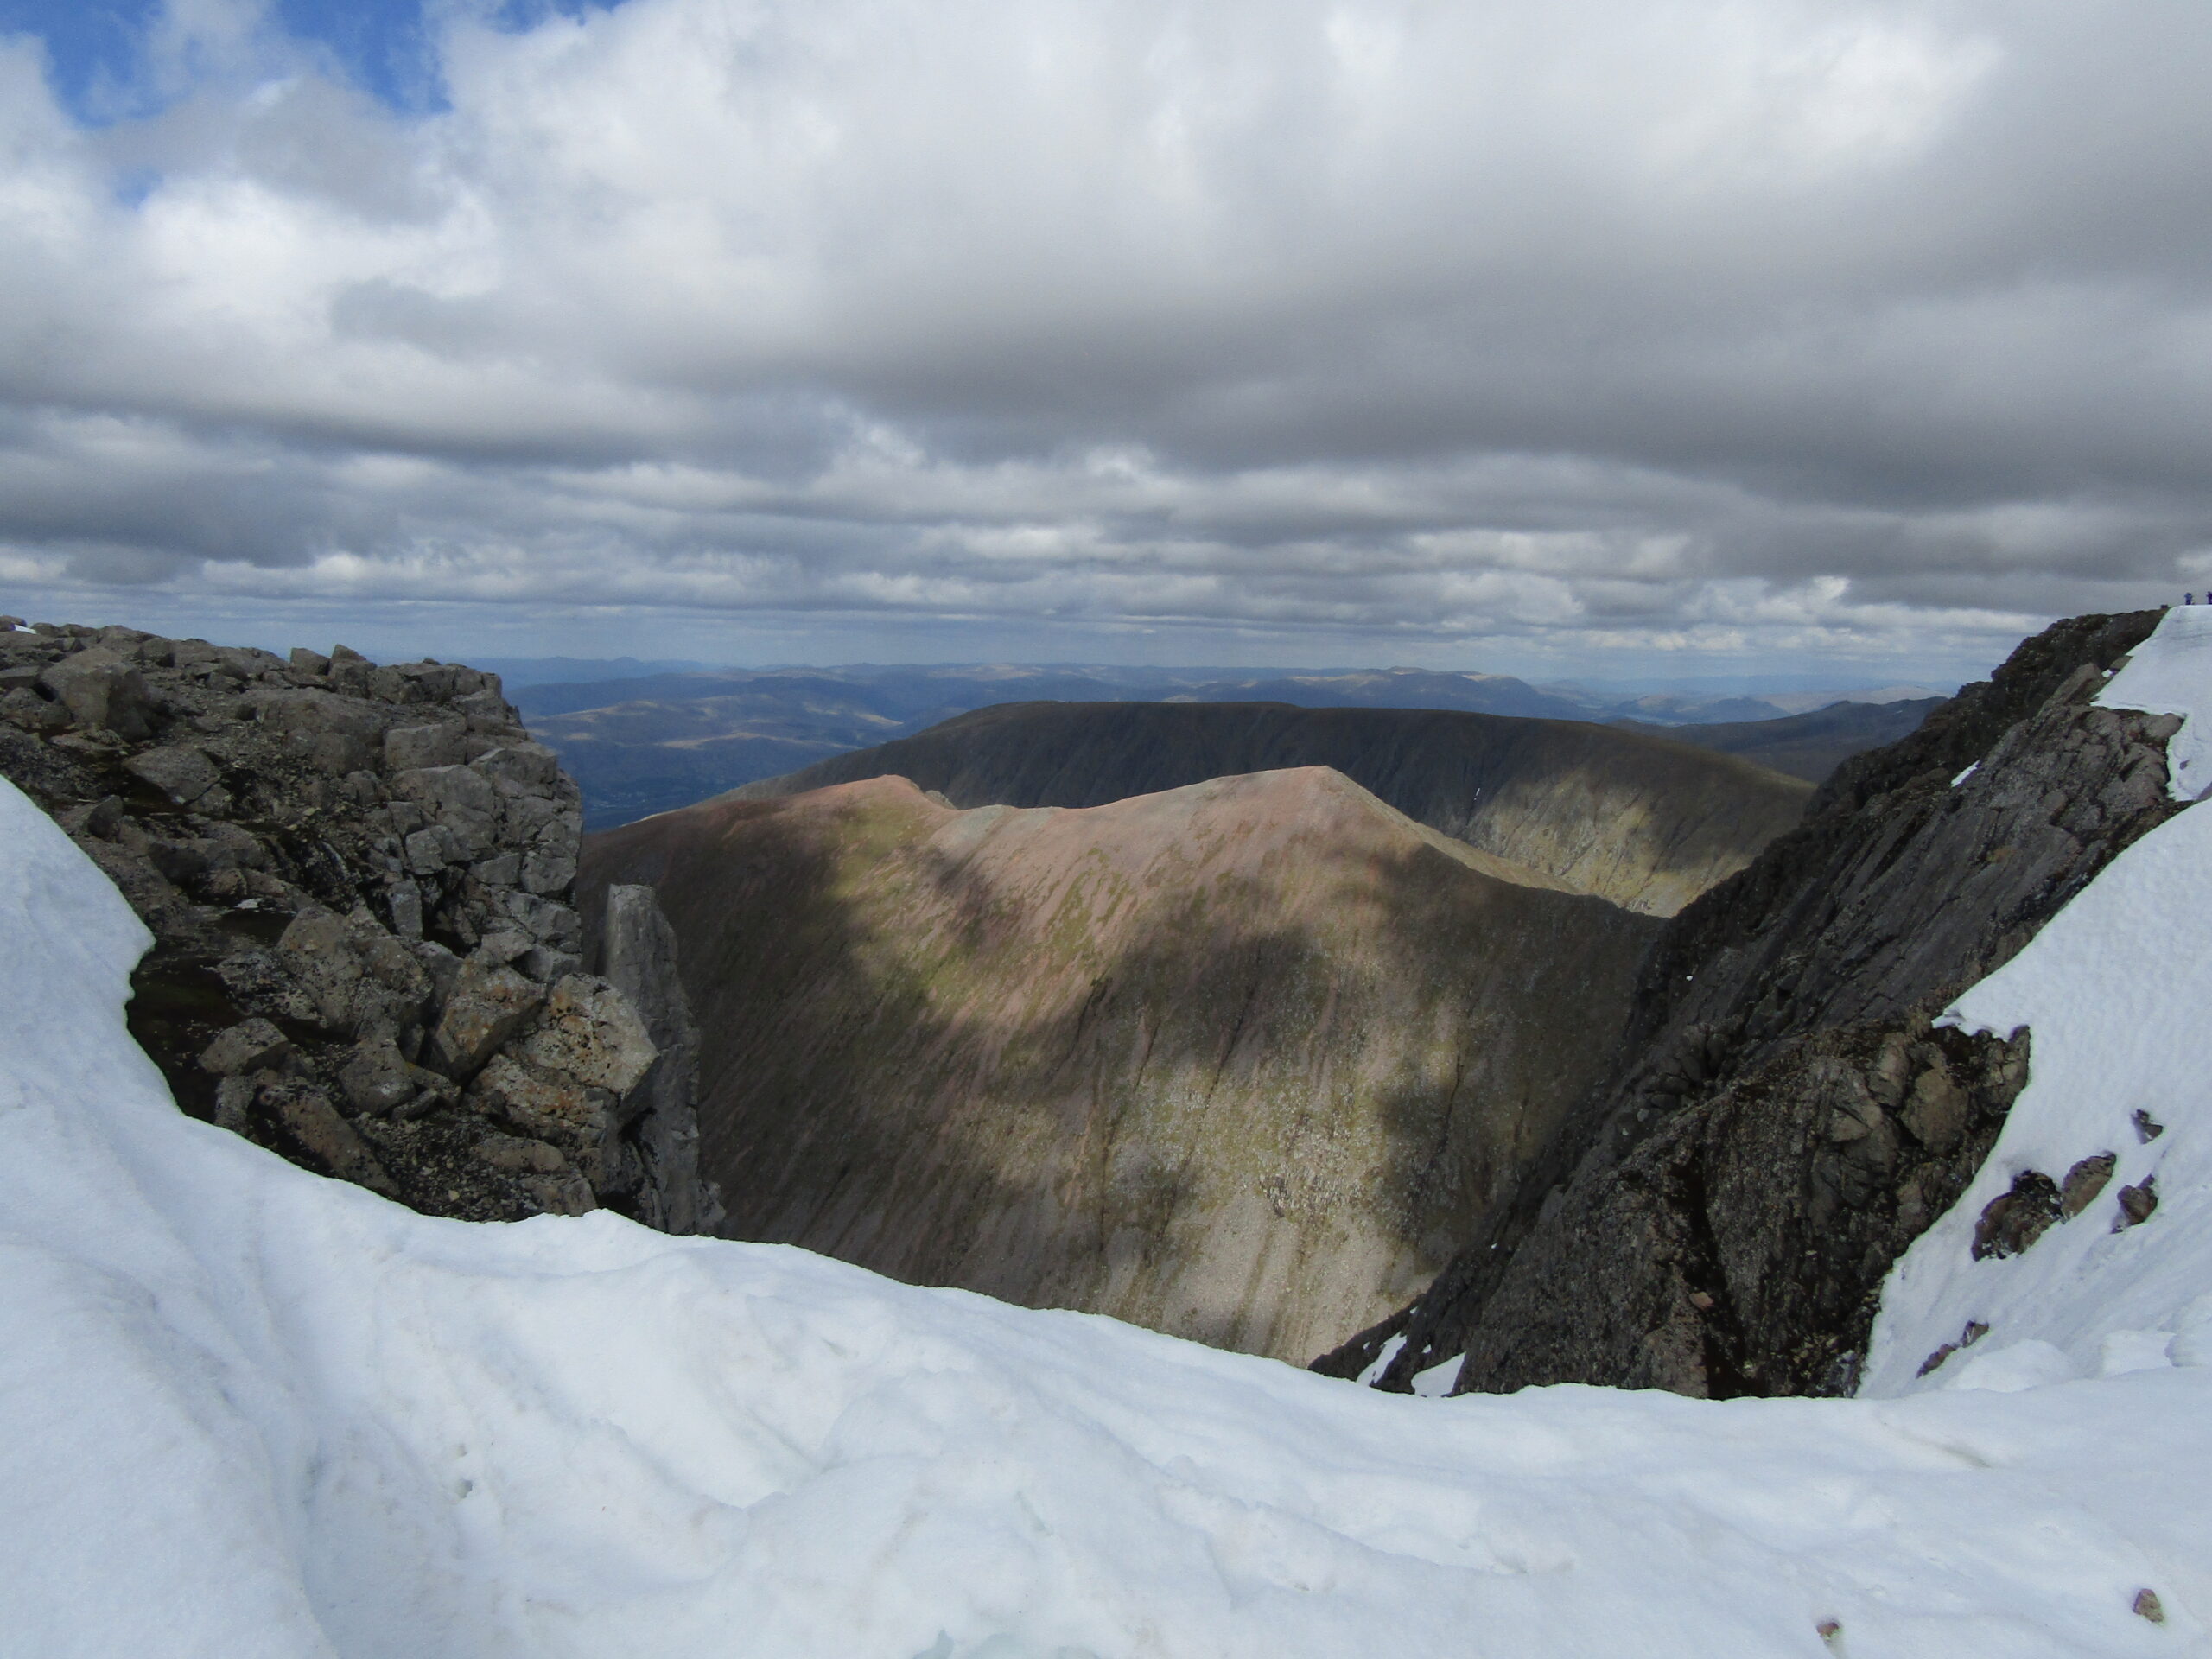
[[1644, 821], [1718, 1216], [359, 880]]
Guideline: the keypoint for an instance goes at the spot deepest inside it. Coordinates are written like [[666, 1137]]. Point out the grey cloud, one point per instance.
[[1801, 328]]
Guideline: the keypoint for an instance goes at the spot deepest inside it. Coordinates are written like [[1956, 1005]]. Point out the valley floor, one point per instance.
[[251, 1412]]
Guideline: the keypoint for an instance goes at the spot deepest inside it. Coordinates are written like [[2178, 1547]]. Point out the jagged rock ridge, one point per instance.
[[360, 882], [1232, 1061], [1717, 1218], [1643, 821]]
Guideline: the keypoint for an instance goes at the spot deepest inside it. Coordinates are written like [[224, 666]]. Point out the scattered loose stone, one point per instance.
[[377, 1079], [2146, 1605], [183, 773], [489, 1003], [566, 1194], [1974, 1333], [592, 1034], [2084, 1182], [433, 1093], [2136, 1203], [1937, 1112], [101, 692], [2147, 1129], [245, 1047], [307, 1113], [512, 1152], [2012, 1221]]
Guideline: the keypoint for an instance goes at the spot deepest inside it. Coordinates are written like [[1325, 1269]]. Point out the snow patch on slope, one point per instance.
[[248, 1412], [2170, 673], [2116, 992]]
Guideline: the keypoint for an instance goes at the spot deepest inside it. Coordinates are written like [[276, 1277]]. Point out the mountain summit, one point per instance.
[[1232, 1060], [1643, 821]]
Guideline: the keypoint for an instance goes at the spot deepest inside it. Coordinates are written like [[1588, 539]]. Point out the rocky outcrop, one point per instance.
[[1644, 821], [1240, 1061], [360, 879], [1717, 1218], [637, 950]]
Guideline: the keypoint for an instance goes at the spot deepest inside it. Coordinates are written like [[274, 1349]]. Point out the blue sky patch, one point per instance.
[[96, 49]]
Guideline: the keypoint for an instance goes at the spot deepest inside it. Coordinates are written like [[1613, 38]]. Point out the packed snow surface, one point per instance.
[[2116, 996], [2170, 673], [252, 1413]]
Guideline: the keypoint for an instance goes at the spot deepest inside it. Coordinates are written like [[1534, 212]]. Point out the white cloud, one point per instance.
[[1780, 328]]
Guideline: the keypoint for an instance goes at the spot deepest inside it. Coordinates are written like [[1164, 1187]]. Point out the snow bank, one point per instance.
[[2170, 673], [2116, 992], [248, 1412]]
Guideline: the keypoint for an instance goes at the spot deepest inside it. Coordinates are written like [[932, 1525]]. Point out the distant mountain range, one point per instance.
[[517, 672], [643, 738]]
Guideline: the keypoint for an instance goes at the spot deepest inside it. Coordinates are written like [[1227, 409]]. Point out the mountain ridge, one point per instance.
[[1642, 822], [1786, 1115], [661, 740], [1225, 1060]]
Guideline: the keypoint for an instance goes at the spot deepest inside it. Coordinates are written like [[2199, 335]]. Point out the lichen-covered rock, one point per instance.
[[359, 879], [317, 952], [513, 1152], [333, 733], [181, 772], [2088, 1178], [307, 1124], [490, 1002], [102, 692], [377, 1079], [590, 1032], [455, 798], [550, 1105], [2015, 1219], [442, 743], [250, 1045]]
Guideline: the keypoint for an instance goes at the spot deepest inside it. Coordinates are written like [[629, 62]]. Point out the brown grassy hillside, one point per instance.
[[1239, 1061]]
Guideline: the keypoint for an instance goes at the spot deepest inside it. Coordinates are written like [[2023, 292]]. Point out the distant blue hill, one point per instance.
[[516, 673]]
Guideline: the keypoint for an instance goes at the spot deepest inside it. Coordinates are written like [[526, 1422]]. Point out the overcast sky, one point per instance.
[[1604, 337]]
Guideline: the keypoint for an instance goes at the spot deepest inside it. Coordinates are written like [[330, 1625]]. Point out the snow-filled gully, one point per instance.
[[251, 1412]]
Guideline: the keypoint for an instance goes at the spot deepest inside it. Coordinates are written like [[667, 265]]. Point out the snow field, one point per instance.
[[251, 1412]]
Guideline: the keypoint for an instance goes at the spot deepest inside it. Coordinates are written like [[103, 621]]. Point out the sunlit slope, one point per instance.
[[1643, 821], [1238, 1061]]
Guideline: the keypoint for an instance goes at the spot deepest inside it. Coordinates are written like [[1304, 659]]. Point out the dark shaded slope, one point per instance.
[[1242, 1061], [1719, 1218], [1808, 746], [1644, 821], [1398, 688]]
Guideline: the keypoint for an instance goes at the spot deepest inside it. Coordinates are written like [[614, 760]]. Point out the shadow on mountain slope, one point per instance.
[[1232, 1061]]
